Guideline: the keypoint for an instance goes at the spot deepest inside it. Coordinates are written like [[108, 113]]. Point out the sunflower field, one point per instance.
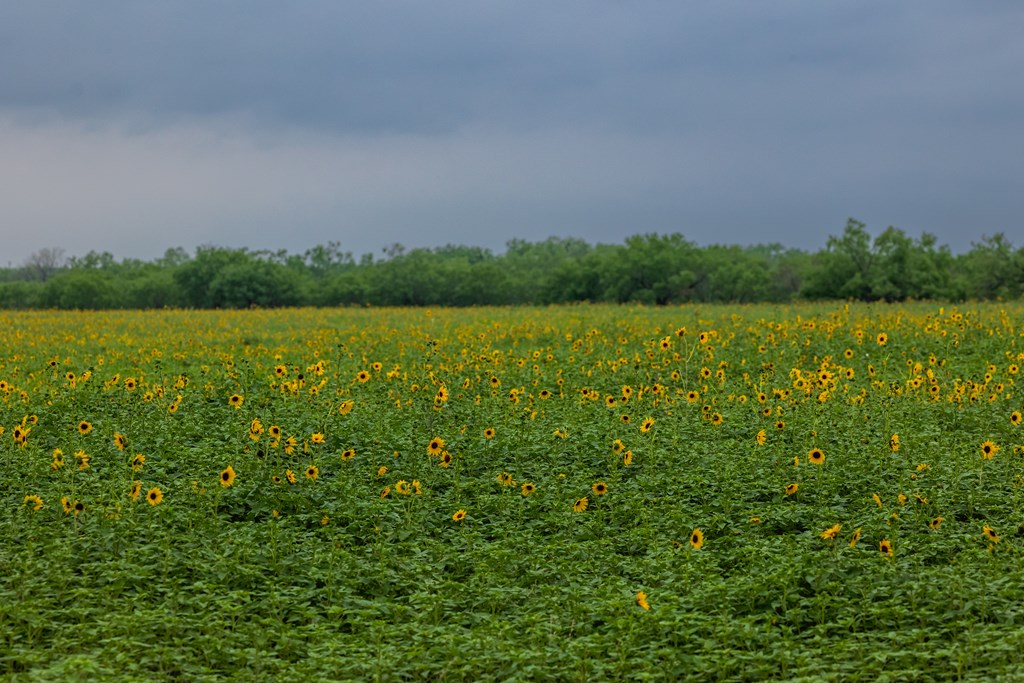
[[817, 492]]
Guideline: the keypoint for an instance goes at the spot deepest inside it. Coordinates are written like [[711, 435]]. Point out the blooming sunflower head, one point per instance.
[[84, 427], [435, 446], [815, 456], [696, 539], [154, 496], [236, 401], [227, 476], [459, 515], [580, 504], [600, 488]]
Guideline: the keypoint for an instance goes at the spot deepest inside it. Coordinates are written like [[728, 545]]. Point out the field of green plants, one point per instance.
[[826, 492]]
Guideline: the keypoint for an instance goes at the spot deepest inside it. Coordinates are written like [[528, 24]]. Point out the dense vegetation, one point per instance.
[[649, 269], [813, 492]]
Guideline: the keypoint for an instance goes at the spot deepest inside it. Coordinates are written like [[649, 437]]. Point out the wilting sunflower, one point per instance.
[[815, 456], [696, 539], [877, 499], [600, 488], [894, 443], [154, 496], [855, 537], [78, 507], [988, 449], [641, 599], [84, 427], [435, 446], [227, 477], [459, 515], [528, 488], [581, 504]]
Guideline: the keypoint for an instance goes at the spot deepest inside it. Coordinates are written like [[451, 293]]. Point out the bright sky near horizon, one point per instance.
[[135, 127]]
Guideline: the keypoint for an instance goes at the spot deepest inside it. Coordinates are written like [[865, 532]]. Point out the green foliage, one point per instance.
[[345, 577], [652, 269]]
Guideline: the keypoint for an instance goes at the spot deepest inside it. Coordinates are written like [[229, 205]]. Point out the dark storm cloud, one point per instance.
[[475, 122]]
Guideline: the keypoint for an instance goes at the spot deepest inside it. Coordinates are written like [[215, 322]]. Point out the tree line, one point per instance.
[[654, 269]]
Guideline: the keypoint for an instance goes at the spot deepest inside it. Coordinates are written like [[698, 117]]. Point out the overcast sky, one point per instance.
[[135, 126]]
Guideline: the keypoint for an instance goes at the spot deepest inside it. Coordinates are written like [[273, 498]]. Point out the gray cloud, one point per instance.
[[126, 125]]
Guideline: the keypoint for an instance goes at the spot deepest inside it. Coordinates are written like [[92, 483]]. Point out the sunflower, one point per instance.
[[934, 524], [618, 446], [692, 397], [696, 539], [855, 537], [312, 472], [135, 491], [894, 443], [154, 496], [988, 449], [363, 377], [506, 479], [646, 425], [137, 462], [33, 502], [1015, 418], [609, 401], [641, 599], [792, 488], [402, 487], [350, 453], [545, 394], [346, 407], [66, 504], [885, 546], [624, 419], [489, 433], [417, 487], [277, 479], [831, 532], [780, 425], [716, 419], [528, 488], [227, 477], [882, 338], [459, 515], [877, 499], [990, 534], [83, 460], [435, 446], [78, 507], [627, 458], [761, 438], [446, 459], [120, 440], [58, 459], [580, 505], [815, 456], [236, 401], [317, 437], [600, 488], [84, 427]]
